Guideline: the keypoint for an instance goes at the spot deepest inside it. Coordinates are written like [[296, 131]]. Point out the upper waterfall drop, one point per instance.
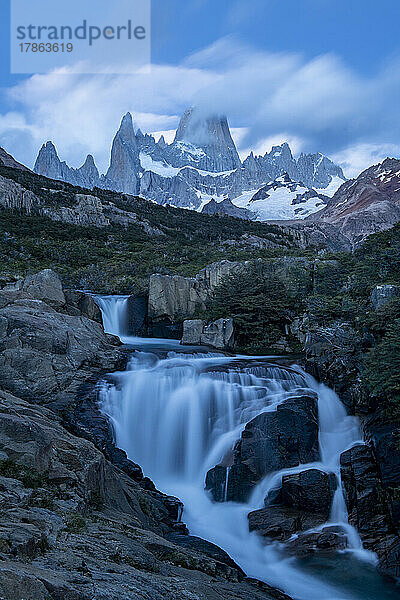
[[114, 310]]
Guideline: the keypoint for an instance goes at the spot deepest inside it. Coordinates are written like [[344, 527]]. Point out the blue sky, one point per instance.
[[324, 74]]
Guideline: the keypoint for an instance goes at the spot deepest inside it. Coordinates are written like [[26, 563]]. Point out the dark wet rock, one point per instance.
[[363, 492], [137, 315], [82, 303], [281, 439], [281, 523], [369, 508], [302, 503], [164, 328], [270, 442], [384, 439], [328, 540], [310, 490], [234, 485]]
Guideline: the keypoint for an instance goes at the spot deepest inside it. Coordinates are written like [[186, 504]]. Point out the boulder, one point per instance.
[[205, 547], [45, 285], [233, 484], [381, 294], [218, 334], [310, 490], [44, 353], [281, 523], [192, 331], [327, 541], [302, 503], [282, 439], [270, 442], [82, 303]]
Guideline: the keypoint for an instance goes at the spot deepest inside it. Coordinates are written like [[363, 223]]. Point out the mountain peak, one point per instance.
[[211, 133], [126, 129], [89, 162], [49, 148]]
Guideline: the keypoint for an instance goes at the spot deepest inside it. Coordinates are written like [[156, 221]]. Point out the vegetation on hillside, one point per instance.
[[115, 259], [263, 301]]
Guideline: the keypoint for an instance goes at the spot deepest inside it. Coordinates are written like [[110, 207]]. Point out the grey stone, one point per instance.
[[178, 298], [218, 334], [45, 285], [89, 529], [192, 330]]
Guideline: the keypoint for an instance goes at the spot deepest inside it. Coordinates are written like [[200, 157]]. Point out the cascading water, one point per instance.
[[114, 310], [178, 416]]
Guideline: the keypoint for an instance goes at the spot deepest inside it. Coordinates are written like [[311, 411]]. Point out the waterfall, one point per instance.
[[114, 310], [181, 415]]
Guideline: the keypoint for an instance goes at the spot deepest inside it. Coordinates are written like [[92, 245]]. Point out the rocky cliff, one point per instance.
[[78, 519], [366, 205], [176, 298]]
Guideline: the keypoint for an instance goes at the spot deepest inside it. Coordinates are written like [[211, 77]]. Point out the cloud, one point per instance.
[[355, 159], [319, 105]]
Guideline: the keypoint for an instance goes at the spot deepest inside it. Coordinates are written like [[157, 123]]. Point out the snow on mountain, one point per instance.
[[200, 165], [282, 198], [161, 168]]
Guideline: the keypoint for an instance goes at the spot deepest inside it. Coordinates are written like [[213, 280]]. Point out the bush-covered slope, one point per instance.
[[117, 258]]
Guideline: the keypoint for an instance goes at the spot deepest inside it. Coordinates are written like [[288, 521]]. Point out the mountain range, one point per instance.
[[203, 164]]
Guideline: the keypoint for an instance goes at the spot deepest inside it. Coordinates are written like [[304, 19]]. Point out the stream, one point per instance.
[[177, 411]]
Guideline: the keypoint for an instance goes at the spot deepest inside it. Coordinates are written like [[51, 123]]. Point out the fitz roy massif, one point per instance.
[[203, 164]]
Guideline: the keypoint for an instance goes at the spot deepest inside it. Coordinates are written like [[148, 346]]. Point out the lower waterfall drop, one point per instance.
[[178, 416]]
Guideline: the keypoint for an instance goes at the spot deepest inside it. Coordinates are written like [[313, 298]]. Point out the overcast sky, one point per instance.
[[322, 74]]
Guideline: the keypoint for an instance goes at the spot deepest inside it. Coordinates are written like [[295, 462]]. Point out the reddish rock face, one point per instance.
[[367, 204]]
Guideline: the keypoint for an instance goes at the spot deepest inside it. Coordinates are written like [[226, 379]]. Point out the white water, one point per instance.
[[114, 310], [179, 416]]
